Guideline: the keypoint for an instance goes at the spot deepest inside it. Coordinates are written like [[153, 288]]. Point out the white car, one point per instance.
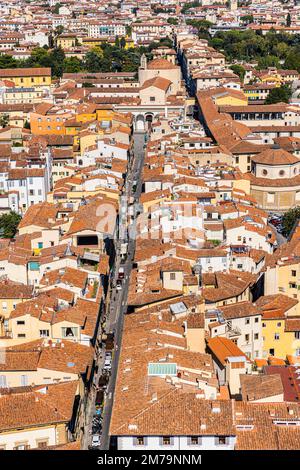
[[107, 364], [96, 440]]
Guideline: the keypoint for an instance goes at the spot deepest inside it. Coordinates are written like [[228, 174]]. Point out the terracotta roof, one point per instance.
[[223, 348], [292, 324], [14, 290], [26, 72], [161, 64], [275, 157], [257, 387], [37, 406], [240, 310], [157, 82]]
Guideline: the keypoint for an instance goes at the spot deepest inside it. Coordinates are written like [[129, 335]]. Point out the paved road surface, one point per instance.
[[118, 304]]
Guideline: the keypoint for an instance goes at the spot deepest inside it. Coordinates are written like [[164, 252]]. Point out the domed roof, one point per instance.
[[275, 157], [161, 64]]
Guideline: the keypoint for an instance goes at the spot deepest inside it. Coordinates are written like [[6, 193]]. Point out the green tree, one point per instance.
[[238, 70], [57, 57], [56, 8], [87, 85], [122, 42], [267, 61], [172, 21], [288, 20], [279, 95], [289, 219], [72, 65], [4, 120], [187, 6], [9, 224], [247, 19], [8, 62], [93, 62], [39, 58], [59, 30], [292, 61]]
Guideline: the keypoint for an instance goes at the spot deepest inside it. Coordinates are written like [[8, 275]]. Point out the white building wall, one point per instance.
[[179, 443], [11, 440]]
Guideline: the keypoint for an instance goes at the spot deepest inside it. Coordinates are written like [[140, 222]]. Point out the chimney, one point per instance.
[[215, 408]]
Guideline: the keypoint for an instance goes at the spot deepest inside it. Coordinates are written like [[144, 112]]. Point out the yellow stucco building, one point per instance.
[[280, 326], [28, 77]]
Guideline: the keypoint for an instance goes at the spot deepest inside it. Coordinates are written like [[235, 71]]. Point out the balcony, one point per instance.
[[233, 332]]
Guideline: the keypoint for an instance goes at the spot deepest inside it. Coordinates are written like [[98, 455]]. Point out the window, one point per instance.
[[279, 324], [276, 336], [247, 338], [24, 380], [20, 322], [166, 441], [221, 440], [42, 444], [21, 335], [69, 332], [294, 273], [172, 276], [271, 197], [247, 321], [21, 446], [256, 336], [195, 441], [297, 334], [152, 98], [140, 441], [44, 333], [3, 381], [256, 319]]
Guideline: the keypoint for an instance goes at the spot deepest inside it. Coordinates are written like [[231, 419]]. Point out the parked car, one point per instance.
[[107, 364], [121, 273], [96, 440], [99, 397]]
